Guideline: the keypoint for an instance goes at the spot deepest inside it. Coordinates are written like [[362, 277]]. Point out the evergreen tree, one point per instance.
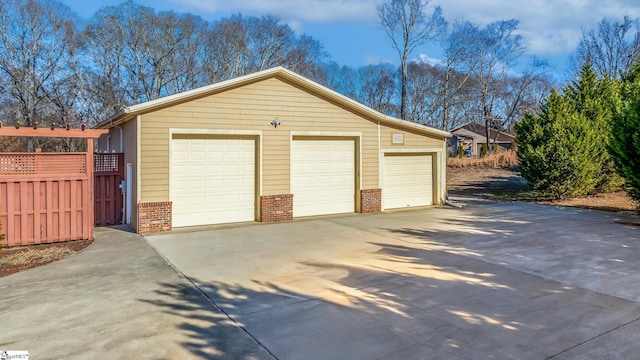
[[563, 151], [591, 97], [624, 146], [555, 150]]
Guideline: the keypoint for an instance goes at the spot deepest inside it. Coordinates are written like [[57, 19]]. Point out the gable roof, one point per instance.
[[130, 112], [480, 129]]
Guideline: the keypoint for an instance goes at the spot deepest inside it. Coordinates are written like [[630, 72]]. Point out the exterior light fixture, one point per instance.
[[275, 123]]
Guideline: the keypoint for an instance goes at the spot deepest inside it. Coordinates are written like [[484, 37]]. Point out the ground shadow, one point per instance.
[[452, 306], [493, 185], [209, 333], [428, 296]]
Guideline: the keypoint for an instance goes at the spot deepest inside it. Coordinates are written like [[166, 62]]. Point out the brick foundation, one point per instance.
[[371, 200], [276, 208], [154, 217]]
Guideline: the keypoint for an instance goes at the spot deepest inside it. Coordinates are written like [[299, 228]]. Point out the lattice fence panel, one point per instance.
[[108, 162], [43, 164]]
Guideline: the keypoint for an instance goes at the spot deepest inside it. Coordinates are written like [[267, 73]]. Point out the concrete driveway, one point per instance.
[[505, 280], [117, 299]]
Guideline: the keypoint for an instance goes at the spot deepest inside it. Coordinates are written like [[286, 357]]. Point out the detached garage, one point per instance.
[[269, 146]]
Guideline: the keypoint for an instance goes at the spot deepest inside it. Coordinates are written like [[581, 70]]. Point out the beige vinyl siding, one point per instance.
[[253, 107], [411, 139], [275, 161]]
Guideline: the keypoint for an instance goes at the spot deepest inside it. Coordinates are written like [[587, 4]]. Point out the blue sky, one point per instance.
[[550, 29]]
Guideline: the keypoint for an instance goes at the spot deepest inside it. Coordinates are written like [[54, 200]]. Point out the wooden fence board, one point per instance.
[[38, 205]]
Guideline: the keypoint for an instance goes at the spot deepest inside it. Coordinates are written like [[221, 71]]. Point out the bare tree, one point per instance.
[[240, 45], [611, 48], [136, 55], [437, 95], [37, 60], [459, 46], [424, 102], [343, 79], [227, 50], [523, 93], [378, 84], [496, 52], [407, 25], [437, 91]]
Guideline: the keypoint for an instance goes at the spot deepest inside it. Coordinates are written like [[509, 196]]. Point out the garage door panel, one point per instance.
[[322, 176], [214, 169], [212, 181], [407, 181]]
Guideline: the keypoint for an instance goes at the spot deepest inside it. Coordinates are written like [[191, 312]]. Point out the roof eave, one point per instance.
[[116, 119]]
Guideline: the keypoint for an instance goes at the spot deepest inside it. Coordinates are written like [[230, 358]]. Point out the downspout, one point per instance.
[[380, 168], [121, 136]]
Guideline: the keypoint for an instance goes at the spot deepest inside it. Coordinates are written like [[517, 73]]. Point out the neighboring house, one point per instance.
[[269, 146], [472, 135]]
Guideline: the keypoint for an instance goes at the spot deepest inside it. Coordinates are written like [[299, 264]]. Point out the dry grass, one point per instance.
[[504, 183], [617, 201], [505, 159], [30, 256], [21, 258]]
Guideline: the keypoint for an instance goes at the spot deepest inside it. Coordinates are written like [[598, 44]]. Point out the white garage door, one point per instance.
[[212, 181], [408, 181], [323, 177]]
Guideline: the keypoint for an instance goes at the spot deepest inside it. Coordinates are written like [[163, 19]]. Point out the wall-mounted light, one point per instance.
[[275, 123]]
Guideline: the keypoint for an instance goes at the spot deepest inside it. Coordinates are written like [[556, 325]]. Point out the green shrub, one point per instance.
[[484, 150], [496, 148], [460, 151]]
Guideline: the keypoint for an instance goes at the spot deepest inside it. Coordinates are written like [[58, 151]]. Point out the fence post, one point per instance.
[[88, 215]]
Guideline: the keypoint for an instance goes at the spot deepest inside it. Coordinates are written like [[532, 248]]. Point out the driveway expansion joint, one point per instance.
[[240, 326], [592, 338]]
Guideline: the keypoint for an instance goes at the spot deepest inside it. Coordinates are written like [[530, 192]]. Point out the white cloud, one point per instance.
[[296, 25], [426, 59], [308, 10], [548, 27]]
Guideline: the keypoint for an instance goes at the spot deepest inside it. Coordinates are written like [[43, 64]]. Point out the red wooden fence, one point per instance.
[[109, 172], [46, 197]]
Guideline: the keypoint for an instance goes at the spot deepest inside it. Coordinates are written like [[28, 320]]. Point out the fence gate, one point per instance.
[[109, 172]]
